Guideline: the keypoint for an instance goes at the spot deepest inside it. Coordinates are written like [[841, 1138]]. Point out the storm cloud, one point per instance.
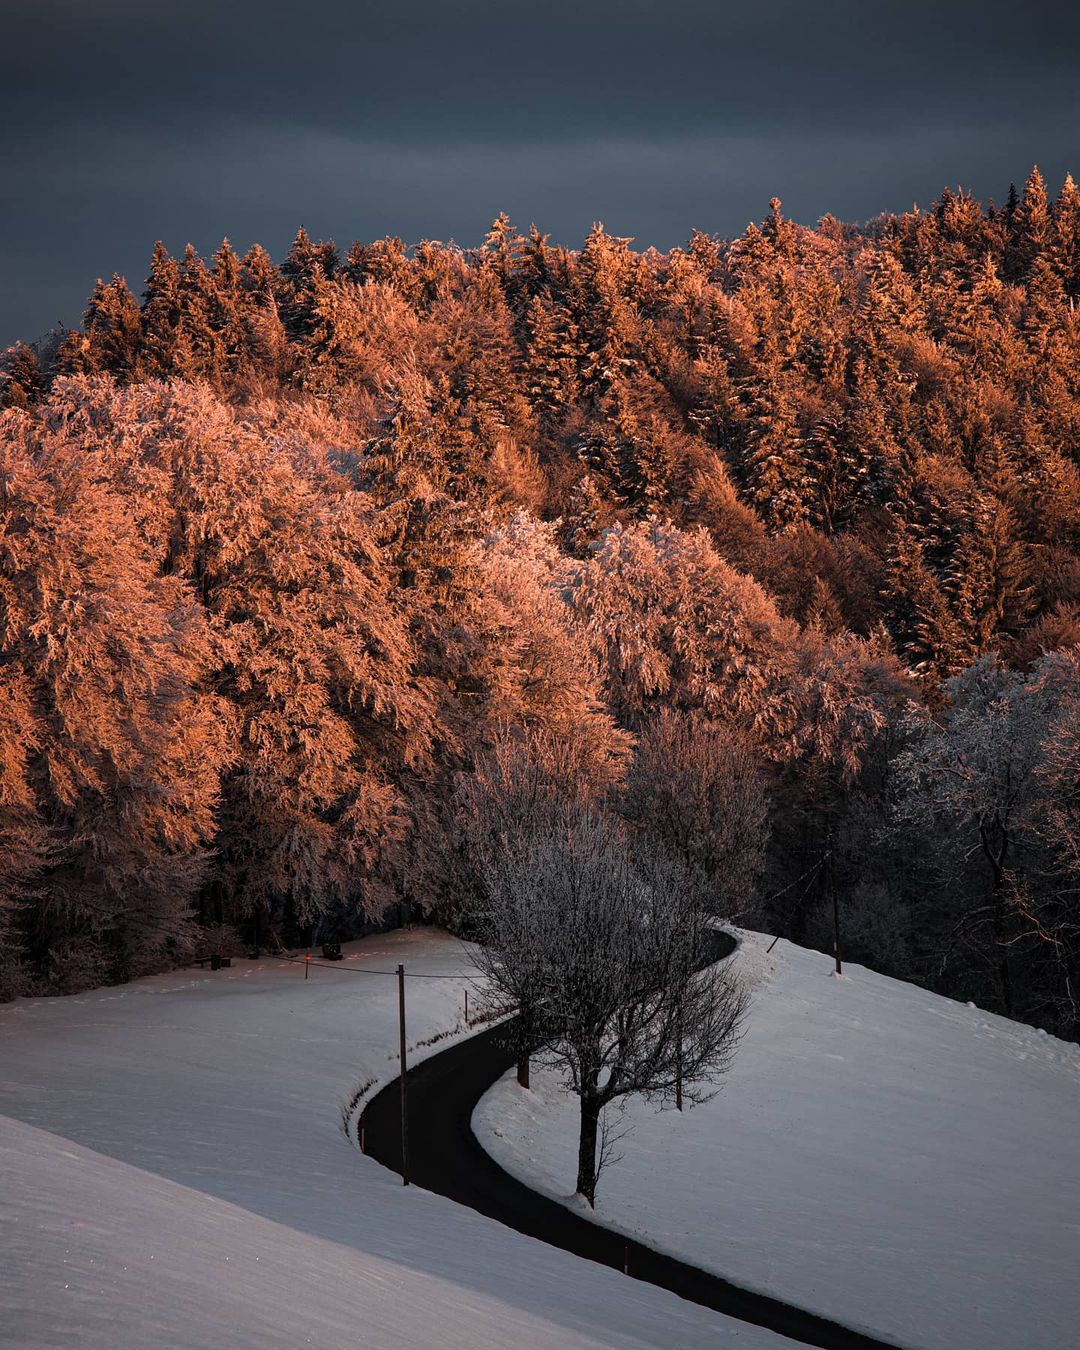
[[129, 122]]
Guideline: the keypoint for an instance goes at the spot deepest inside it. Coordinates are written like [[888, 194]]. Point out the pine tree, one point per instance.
[[160, 314], [632, 452], [889, 304], [306, 265], [837, 473], [1044, 305], [551, 384], [990, 579], [586, 517], [501, 252], [1028, 229], [21, 380], [604, 311], [199, 352], [775, 468], [924, 629], [228, 309], [1065, 235], [718, 412], [264, 300], [113, 331], [537, 264]]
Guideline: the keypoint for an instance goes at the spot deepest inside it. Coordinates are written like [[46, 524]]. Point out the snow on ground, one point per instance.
[[173, 1174], [879, 1154]]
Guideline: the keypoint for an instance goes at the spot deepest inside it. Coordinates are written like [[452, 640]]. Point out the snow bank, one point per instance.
[[209, 1197], [880, 1155]]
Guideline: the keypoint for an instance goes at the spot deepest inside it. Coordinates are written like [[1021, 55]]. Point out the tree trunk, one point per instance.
[[1004, 973], [996, 859], [586, 1167], [526, 1039]]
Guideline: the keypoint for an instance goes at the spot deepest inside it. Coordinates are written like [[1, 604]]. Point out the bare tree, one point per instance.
[[611, 942], [696, 789], [968, 783], [525, 789]]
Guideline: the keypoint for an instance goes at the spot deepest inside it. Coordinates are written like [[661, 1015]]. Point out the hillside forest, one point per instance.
[[767, 547]]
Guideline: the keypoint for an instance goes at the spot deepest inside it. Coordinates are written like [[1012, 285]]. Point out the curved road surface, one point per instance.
[[446, 1157]]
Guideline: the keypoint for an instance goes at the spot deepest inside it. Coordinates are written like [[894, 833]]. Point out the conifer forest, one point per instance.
[[767, 547]]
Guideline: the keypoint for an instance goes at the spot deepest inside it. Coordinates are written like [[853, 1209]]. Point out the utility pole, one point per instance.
[[835, 907], [404, 1082], [678, 1069]]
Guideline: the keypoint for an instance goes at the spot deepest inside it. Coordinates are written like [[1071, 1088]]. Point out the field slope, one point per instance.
[[173, 1174], [880, 1155]]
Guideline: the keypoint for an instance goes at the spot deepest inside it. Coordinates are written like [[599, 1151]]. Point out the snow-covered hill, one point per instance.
[[881, 1155], [173, 1174]]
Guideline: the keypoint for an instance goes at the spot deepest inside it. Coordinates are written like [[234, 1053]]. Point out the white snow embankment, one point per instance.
[[229, 1209], [880, 1155]]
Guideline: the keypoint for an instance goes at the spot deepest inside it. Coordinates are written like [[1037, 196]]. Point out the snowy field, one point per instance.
[[173, 1174], [886, 1157]]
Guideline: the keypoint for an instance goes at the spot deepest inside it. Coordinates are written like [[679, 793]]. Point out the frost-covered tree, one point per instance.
[[610, 942], [696, 791], [967, 785], [307, 653], [777, 473], [160, 315], [551, 676], [21, 381], [1045, 895], [529, 786], [112, 333], [678, 625], [113, 766]]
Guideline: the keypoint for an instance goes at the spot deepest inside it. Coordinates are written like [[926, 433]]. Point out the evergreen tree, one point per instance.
[[1065, 235], [989, 578], [537, 264], [1028, 228], [160, 314], [924, 629], [227, 309], [551, 384], [305, 266], [21, 380], [776, 472], [112, 332], [501, 252], [199, 351]]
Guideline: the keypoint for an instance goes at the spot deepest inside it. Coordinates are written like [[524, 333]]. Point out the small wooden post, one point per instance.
[[466, 1007], [307, 962], [404, 1079], [678, 1069]]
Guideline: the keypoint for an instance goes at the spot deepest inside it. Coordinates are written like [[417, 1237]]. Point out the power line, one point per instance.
[[362, 970]]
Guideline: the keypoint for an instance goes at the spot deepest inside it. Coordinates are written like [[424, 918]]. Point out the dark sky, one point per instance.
[[128, 120]]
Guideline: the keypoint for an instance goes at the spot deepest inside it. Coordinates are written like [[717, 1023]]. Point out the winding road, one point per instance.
[[446, 1157]]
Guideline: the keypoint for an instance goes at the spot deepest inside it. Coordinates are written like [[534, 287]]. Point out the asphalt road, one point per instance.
[[446, 1157]]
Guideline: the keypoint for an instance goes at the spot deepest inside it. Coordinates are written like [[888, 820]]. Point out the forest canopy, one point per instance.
[[286, 548]]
